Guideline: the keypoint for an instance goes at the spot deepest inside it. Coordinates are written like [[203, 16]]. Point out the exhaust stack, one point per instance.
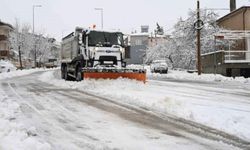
[[232, 5]]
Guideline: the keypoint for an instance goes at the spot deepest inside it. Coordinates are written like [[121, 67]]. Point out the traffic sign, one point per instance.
[[199, 24]]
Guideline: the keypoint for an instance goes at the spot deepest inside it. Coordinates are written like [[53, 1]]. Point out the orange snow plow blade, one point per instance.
[[114, 74]]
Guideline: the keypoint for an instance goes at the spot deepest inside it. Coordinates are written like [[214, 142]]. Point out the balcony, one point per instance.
[[234, 45], [4, 53], [226, 57], [3, 37], [237, 56]]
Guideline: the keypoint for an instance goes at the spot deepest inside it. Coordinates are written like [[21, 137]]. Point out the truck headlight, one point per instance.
[[89, 64]]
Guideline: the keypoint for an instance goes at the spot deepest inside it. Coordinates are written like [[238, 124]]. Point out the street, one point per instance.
[[157, 75], [71, 119]]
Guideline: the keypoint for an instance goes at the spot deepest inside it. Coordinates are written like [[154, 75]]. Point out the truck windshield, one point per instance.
[[105, 39]]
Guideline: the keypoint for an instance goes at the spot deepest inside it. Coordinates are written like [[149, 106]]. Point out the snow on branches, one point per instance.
[[30, 44], [180, 49]]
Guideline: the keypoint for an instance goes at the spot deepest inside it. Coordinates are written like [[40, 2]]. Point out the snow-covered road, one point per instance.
[[38, 115], [221, 105]]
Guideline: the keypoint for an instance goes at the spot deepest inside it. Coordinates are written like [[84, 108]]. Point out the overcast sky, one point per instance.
[[59, 17]]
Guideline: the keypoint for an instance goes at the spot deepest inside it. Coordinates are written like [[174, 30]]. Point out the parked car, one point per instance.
[[51, 63], [6, 66], [160, 66]]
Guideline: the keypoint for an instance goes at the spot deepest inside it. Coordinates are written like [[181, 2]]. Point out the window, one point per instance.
[[138, 42]]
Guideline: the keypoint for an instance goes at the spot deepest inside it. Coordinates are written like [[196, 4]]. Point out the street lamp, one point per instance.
[[101, 9], [34, 6]]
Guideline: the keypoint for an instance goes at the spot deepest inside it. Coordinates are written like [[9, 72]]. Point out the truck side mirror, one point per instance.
[[80, 38], [84, 37]]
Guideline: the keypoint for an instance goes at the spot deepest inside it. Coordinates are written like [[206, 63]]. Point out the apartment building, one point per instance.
[[5, 29]]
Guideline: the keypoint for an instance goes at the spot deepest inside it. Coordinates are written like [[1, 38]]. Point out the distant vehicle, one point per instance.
[[51, 63], [159, 66], [6, 66]]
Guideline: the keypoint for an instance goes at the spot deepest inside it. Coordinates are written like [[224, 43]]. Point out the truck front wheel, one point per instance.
[[63, 72], [66, 74]]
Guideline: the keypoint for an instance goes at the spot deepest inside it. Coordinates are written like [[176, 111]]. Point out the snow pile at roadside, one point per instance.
[[184, 75], [226, 113], [6, 66], [14, 135], [133, 66], [6, 75]]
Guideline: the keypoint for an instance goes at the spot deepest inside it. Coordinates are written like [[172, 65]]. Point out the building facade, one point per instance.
[[5, 30], [140, 43], [233, 58], [238, 19], [138, 47]]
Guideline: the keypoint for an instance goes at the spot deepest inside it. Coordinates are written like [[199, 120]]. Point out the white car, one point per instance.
[[6, 66], [160, 66]]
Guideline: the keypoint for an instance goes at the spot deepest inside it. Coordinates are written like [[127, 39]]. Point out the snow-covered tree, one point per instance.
[[30, 44], [164, 50], [21, 43], [180, 49]]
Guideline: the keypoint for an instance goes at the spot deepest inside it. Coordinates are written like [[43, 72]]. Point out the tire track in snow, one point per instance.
[[78, 141]]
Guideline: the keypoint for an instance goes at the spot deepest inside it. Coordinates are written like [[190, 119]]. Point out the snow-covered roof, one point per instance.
[[160, 36], [15, 52], [5, 24], [140, 34], [209, 53], [232, 13], [100, 30]]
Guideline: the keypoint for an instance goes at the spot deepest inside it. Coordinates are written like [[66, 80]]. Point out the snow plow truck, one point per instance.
[[95, 54]]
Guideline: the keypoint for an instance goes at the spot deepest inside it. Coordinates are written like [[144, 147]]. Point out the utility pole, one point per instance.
[[198, 39], [20, 57]]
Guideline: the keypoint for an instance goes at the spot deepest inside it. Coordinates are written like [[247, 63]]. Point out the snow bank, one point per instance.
[[133, 66], [226, 112], [14, 135], [184, 75], [16, 73], [6, 66]]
